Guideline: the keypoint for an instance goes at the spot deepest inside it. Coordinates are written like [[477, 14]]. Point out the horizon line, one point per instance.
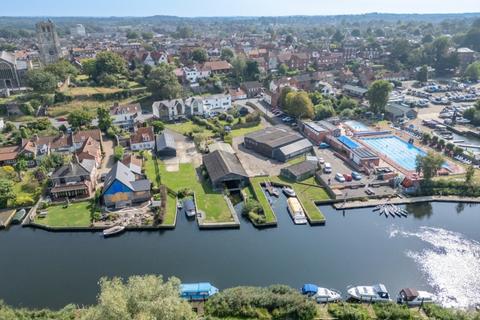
[[245, 16]]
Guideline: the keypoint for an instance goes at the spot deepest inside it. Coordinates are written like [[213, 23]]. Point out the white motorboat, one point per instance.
[[113, 230], [320, 294], [296, 211], [289, 192], [375, 293], [412, 297]]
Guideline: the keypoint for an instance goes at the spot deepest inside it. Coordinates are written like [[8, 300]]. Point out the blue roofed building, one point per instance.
[[123, 187]]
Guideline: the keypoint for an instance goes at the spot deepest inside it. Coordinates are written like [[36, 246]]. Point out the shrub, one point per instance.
[[392, 311], [277, 302], [344, 311], [24, 201], [118, 153]]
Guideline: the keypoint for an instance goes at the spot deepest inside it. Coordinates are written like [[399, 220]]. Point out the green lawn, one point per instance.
[[257, 190], [187, 126], [75, 215], [307, 195], [243, 131], [171, 210], [212, 203]]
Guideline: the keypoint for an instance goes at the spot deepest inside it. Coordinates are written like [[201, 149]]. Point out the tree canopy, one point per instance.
[[107, 66], [79, 118], [378, 94], [42, 81], [429, 165], [140, 297], [163, 83], [298, 104]]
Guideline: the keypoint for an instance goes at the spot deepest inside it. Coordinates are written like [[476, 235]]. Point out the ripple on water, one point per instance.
[[451, 263]]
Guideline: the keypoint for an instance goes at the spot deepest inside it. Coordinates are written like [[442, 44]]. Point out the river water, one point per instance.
[[437, 248]]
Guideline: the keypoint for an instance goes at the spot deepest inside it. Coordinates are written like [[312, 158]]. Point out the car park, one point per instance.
[[339, 177]]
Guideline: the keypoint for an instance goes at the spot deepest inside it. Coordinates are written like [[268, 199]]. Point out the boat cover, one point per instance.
[[309, 288]]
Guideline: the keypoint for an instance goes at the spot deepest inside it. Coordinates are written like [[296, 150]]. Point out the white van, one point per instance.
[[327, 168]]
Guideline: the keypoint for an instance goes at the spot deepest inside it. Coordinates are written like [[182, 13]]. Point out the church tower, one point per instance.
[[48, 42]]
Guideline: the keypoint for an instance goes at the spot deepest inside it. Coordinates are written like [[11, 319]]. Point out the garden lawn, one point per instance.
[[262, 199], [307, 194], [75, 215], [212, 203], [187, 126], [171, 210], [243, 131]]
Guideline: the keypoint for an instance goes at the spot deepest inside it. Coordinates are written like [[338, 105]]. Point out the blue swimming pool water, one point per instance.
[[396, 149], [357, 126]]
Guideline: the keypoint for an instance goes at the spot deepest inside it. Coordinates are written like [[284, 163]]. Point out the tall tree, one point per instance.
[[42, 81], [378, 94], [298, 104], [199, 55], [163, 83], [422, 74], [227, 54], [104, 119], [429, 164], [147, 297], [6, 192], [79, 118], [62, 69]]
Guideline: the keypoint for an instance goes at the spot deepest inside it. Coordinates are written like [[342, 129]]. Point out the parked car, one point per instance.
[[347, 177], [356, 175], [369, 191], [324, 145], [327, 168], [339, 177], [321, 160]]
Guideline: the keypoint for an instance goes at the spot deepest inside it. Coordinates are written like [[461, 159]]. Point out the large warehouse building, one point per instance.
[[278, 144]]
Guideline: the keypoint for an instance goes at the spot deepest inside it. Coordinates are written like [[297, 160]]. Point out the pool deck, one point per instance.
[[399, 201]]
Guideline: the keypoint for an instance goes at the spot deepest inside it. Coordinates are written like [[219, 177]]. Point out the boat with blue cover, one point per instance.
[[197, 291]]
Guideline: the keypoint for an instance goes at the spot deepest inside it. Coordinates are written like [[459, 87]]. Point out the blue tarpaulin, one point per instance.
[[309, 288]]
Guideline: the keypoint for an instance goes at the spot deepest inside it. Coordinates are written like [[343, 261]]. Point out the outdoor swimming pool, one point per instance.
[[401, 152], [357, 126]]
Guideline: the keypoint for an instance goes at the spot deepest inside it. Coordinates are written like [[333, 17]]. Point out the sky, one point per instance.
[[196, 8]]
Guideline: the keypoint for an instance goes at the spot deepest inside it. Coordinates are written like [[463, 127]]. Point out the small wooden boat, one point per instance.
[[113, 230]]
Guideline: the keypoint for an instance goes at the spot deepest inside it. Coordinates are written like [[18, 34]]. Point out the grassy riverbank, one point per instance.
[[74, 215]]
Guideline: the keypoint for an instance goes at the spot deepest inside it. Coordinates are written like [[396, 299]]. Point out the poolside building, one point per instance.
[[276, 143], [363, 157]]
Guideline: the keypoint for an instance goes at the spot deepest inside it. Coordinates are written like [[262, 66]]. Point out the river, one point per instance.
[[437, 247]]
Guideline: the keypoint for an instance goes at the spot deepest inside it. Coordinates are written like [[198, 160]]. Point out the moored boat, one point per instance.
[[296, 211], [375, 293], [113, 230], [197, 291], [289, 192], [19, 216], [412, 297], [320, 294]]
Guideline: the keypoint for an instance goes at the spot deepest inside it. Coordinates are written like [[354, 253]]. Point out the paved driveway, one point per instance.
[[108, 160], [186, 152]]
